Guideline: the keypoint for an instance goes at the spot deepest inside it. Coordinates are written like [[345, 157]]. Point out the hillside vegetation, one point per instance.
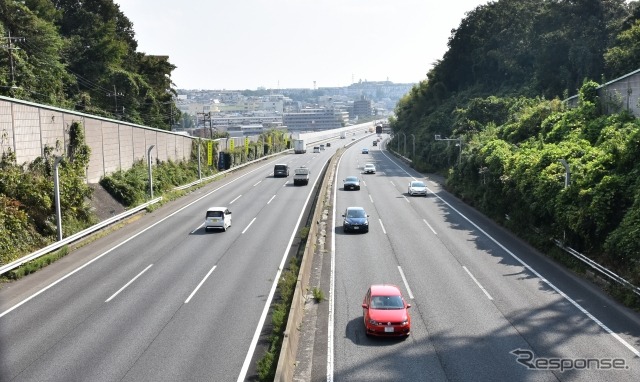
[[499, 88], [83, 56]]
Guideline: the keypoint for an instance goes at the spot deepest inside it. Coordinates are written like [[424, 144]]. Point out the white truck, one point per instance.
[[299, 146], [343, 135], [301, 176]]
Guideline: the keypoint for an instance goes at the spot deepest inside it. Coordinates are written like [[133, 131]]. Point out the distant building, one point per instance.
[[362, 108], [315, 119]]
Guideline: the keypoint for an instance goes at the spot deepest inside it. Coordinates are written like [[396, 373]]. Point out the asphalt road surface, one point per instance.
[[485, 306], [161, 299]]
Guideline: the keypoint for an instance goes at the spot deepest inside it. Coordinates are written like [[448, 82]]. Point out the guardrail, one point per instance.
[[604, 271], [76, 236]]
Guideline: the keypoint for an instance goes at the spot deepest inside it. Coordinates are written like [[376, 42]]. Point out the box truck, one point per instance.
[[299, 146], [301, 176]]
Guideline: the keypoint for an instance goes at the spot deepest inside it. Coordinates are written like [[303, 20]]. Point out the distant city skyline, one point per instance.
[[281, 44]]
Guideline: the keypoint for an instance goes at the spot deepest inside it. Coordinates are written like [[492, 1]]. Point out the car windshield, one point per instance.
[[214, 214], [356, 214], [417, 184], [351, 179], [386, 302]]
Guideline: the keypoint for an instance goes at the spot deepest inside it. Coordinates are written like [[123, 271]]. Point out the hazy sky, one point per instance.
[[246, 44]]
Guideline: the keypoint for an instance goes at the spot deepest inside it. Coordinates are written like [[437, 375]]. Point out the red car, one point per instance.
[[386, 312]]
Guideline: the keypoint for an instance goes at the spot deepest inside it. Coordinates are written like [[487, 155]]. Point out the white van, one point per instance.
[[217, 217], [316, 149]]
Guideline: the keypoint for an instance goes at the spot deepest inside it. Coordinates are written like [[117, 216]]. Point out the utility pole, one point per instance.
[[8, 44], [115, 96], [205, 117]]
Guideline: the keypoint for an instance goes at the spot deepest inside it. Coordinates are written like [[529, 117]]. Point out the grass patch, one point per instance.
[[267, 365], [37, 264], [318, 294]]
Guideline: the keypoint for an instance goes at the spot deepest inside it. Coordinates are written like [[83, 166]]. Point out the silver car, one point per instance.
[[217, 217], [417, 187]]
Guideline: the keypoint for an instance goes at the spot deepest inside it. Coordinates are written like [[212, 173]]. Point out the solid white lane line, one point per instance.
[[257, 183], [370, 198], [406, 284], [200, 284], [332, 281], [391, 181], [406, 199], [239, 196], [251, 222], [429, 225], [382, 225], [478, 283], [127, 284], [271, 199]]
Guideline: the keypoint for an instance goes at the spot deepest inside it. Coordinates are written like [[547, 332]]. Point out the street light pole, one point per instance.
[[459, 140], [405, 144], [567, 172], [414, 146], [56, 190], [150, 172], [567, 181]]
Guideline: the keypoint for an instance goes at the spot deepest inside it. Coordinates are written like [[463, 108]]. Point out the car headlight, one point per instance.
[[374, 322], [405, 322]]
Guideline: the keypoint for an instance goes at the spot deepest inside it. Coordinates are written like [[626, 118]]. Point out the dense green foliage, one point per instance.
[[497, 90], [28, 201], [83, 56]]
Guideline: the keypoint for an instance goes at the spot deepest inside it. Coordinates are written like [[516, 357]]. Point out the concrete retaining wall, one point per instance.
[[620, 94], [26, 129]]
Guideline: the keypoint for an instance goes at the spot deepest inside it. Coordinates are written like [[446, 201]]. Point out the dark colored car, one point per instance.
[[280, 170], [355, 219], [385, 312], [351, 183]]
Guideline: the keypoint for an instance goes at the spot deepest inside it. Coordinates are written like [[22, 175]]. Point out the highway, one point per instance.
[[161, 299], [485, 306]]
